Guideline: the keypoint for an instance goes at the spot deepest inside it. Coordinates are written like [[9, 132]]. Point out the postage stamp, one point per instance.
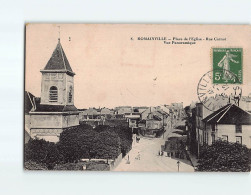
[[227, 65]]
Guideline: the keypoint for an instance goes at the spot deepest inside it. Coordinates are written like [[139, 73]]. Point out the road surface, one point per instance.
[[148, 149]]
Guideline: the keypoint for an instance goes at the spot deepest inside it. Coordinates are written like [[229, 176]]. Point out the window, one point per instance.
[[239, 139], [238, 128], [70, 95], [224, 137], [213, 138], [213, 127], [53, 94]]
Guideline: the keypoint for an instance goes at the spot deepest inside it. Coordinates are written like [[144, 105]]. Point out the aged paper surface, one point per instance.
[[137, 97]]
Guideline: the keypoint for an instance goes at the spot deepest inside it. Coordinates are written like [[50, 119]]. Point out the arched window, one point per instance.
[[70, 95], [53, 95]]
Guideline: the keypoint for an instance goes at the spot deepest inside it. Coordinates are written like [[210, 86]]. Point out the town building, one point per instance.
[[89, 114], [200, 113], [245, 103], [139, 109], [122, 111], [133, 120], [146, 112], [55, 111], [175, 147], [229, 123], [154, 123], [107, 113], [177, 111]]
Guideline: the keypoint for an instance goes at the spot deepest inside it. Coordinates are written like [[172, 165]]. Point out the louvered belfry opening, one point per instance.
[[53, 94], [70, 95]]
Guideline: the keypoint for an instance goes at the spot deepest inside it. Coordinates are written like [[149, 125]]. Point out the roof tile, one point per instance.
[[58, 60]]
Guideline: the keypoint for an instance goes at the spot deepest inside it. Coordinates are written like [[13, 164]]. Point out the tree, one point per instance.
[[76, 143], [107, 145], [101, 128], [224, 156], [124, 133], [42, 152], [36, 150]]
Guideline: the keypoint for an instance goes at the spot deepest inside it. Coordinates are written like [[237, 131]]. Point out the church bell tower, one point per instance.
[[56, 111], [57, 87]]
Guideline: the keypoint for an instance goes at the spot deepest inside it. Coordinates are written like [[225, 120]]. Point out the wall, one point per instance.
[[133, 123], [115, 163], [27, 121], [246, 139], [58, 81], [152, 124], [229, 130], [63, 82], [51, 135], [49, 126], [70, 120], [46, 121], [146, 112]]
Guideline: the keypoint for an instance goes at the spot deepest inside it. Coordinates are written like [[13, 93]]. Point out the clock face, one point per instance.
[[214, 96]]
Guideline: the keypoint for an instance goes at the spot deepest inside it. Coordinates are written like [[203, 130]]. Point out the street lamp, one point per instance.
[[178, 164]]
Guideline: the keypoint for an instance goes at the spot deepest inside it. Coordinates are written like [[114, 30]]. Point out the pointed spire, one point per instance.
[[58, 60]]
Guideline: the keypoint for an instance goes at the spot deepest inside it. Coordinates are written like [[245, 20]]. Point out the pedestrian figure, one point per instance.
[[224, 62], [128, 160], [138, 156]]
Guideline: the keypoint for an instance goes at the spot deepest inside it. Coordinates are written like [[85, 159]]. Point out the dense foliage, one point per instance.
[[42, 152], [224, 156], [31, 165], [76, 143], [106, 145], [124, 133], [79, 142]]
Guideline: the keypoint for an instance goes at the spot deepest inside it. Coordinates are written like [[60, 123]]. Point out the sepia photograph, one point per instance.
[[137, 98]]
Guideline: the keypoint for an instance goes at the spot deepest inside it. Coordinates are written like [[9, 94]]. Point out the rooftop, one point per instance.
[[58, 61], [229, 114]]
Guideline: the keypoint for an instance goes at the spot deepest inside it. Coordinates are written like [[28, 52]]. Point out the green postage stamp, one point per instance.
[[227, 65]]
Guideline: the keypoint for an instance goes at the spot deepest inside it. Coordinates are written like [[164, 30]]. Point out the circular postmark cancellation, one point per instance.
[[214, 95]]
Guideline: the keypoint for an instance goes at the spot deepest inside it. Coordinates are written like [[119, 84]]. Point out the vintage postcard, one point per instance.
[[137, 97]]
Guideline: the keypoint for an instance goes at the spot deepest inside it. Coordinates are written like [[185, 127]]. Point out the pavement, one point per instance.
[[147, 149]]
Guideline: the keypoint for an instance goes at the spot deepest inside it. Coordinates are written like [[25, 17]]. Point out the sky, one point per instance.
[[114, 68]]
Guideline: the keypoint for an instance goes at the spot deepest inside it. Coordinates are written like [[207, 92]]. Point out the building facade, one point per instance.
[[229, 123], [56, 110]]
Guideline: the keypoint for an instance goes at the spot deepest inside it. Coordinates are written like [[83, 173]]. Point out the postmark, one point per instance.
[[227, 65], [215, 95]]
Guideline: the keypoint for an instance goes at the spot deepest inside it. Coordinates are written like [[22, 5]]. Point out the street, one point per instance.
[[148, 149]]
